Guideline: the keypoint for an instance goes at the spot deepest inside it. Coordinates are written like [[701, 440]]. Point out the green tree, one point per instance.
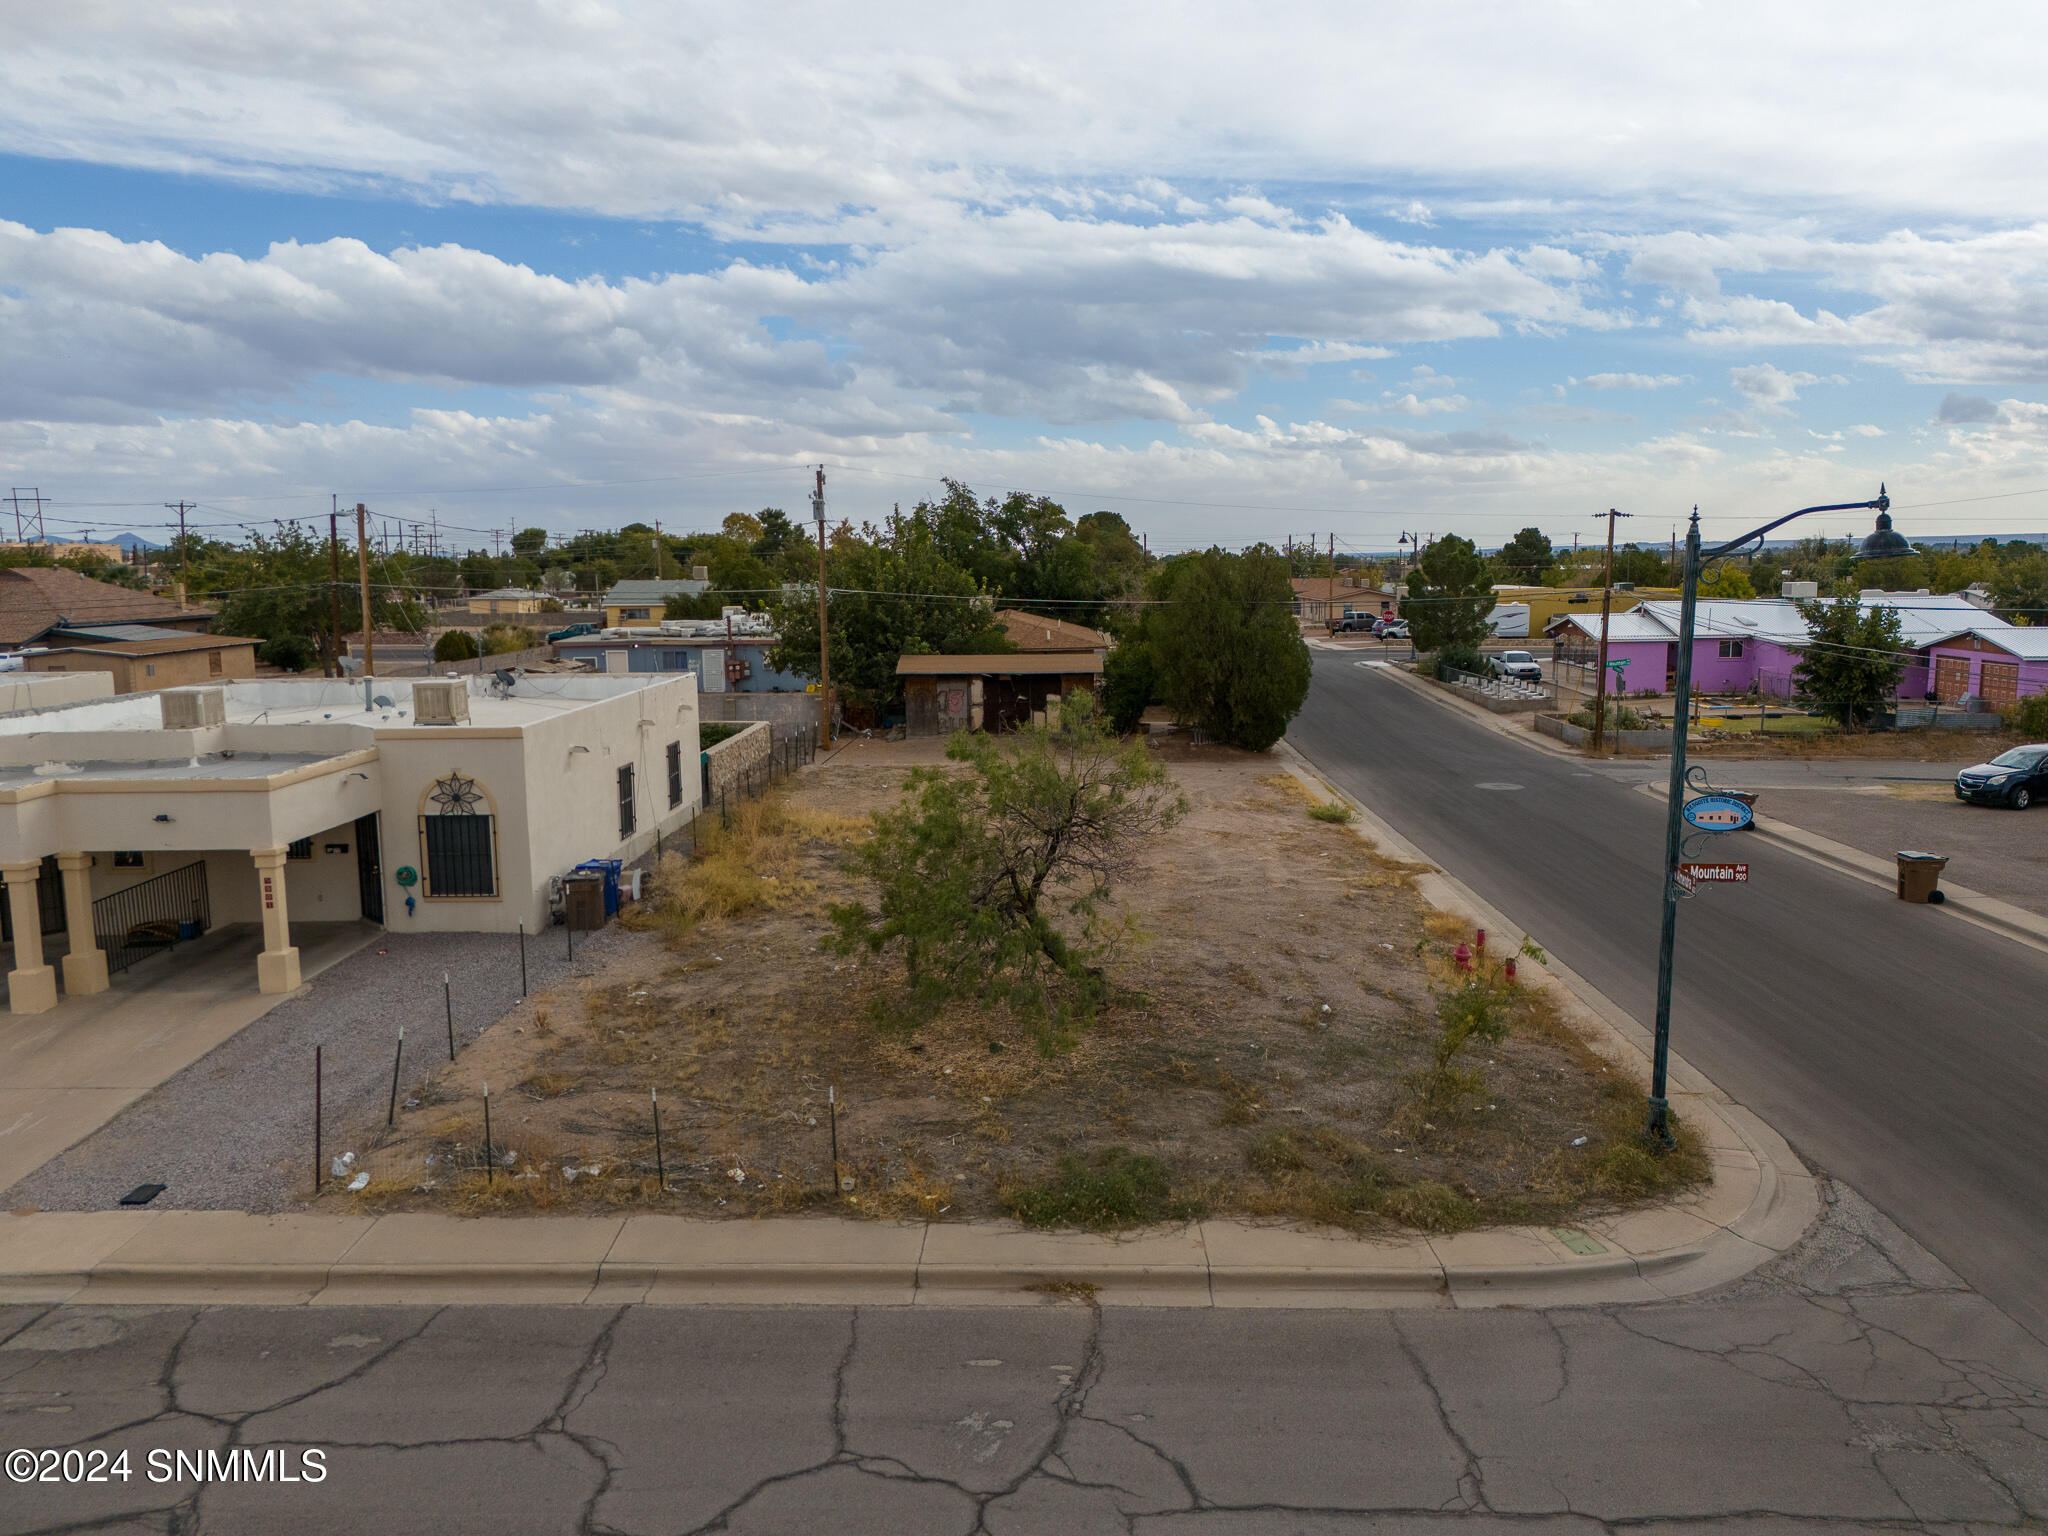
[[2019, 587], [895, 593], [1641, 567], [1228, 652], [455, 645], [1852, 660], [996, 883], [1450, 593], [530, 543], [1130, 681], [1728, 582], [1525, 557], [280, 584]]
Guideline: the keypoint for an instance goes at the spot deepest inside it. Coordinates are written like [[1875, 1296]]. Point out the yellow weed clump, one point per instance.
[[754, 862]]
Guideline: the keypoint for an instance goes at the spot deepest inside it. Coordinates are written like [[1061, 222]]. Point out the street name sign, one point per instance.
[[1718, 813], [1714, 874]]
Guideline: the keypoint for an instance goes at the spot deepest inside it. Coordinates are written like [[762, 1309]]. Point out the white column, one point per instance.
[[31, 985], [277, 968], [85, 967]]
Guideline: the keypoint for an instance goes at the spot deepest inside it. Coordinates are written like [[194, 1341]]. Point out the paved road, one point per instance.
[[1854, 1387], [1902, 1050]]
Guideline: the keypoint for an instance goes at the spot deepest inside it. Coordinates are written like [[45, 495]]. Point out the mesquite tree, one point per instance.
[[995, 883]]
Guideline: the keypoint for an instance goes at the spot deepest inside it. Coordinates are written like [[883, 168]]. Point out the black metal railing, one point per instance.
[[154, 915]]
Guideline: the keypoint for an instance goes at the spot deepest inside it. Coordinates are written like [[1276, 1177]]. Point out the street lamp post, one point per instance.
[[1658, 1130]]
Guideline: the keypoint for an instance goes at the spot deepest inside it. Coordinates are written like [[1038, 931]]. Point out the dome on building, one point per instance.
[[1883, 543]]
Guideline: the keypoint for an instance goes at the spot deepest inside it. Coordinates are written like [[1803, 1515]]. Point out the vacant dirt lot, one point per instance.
[[1260, 1055]]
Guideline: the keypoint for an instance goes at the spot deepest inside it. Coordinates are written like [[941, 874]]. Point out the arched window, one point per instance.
[[458, 839]]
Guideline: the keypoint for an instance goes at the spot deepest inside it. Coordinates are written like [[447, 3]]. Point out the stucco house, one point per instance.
[[444, 804], [646, 602], [508, 600], [142, 657]]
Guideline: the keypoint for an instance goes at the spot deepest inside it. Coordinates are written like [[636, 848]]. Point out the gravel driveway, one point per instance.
[[234, 1131]]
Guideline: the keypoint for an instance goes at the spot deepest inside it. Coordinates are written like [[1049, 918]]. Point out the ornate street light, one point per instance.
[[1658, 1130]]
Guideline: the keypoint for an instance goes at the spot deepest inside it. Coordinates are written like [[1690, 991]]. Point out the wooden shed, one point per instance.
[[943, 694]]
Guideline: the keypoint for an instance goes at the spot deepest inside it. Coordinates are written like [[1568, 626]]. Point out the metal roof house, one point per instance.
[[1955, 648]]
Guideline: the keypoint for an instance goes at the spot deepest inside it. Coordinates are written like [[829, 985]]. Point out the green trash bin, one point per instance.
[[1920, 876]]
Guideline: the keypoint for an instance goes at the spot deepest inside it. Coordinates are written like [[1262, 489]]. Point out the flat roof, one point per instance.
[[339, 701], [1022, 664], [210, 765]]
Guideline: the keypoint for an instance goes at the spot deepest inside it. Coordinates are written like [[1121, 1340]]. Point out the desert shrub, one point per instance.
[[1619, 717], [1331, 810], [1477, 1011], [1118, 1188], [503, 639], [2029, 717], [455, 645], [995, 883]]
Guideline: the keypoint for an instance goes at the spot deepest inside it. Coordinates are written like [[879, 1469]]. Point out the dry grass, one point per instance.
[[754, 862], [1258, 1054]]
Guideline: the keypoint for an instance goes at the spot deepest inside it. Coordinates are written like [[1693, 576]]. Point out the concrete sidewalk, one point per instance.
[[1760, 1203]]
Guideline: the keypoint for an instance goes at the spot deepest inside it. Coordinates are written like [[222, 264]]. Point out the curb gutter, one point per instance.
[[1761, 1201]]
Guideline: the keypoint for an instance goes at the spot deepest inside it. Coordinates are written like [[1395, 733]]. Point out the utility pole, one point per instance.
[[1330, 607], [824, 638], [657, 552], [1606, 605], [334, 583], [363, 583], [184, 554]]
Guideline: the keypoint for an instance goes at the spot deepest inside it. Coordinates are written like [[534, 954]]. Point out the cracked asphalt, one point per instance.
[[1855, 1384]]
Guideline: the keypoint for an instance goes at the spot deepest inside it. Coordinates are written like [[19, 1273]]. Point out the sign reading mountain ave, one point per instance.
[[1723, 874]]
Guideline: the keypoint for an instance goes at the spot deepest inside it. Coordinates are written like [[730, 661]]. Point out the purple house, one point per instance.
[[1955, 647]]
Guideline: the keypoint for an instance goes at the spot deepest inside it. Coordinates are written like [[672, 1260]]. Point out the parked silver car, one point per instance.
[[1516, 664]]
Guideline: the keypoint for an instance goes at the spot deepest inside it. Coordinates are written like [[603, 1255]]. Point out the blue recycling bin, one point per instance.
[[611, 870]]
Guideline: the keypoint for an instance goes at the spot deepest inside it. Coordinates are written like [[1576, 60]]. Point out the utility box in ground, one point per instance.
[[583, 902], [1919, 875]]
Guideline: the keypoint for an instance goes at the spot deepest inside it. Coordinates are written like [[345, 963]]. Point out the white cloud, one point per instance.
[[1021, 314], [1769, 386], [1414, 211], [641, 108], [1633, 380]]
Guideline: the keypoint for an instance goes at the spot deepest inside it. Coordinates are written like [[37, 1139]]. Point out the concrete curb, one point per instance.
[[103, 1258], [1763, 1199]]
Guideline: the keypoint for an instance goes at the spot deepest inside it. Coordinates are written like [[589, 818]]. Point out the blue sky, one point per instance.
[[1461, 269]]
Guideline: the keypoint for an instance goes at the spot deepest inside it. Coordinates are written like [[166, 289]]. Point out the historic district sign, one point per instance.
[[1718, 813]]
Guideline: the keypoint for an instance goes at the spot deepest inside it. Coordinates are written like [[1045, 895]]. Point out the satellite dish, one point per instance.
[[382, 701], [506, 677]]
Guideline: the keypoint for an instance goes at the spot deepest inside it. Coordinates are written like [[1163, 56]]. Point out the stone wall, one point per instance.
[[732, 759], [791, 714]]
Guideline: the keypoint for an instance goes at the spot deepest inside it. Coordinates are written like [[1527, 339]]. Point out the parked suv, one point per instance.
[[1391, 628], [1516, 664], [1351, 624], [2017, 778]]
